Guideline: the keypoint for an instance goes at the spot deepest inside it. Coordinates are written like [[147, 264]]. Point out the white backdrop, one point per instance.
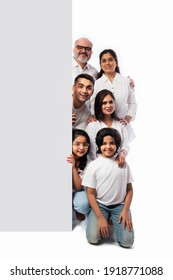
[[140, 34]]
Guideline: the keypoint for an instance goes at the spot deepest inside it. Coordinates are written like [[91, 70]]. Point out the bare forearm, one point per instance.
[[94, 205], [128, 198], [125, 215], [103, 225]]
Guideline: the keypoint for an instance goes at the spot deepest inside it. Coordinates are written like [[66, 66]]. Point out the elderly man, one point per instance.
[[82, 53]]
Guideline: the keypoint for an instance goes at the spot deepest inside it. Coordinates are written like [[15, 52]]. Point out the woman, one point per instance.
[[104, 109], [111, 79], [79, 161]]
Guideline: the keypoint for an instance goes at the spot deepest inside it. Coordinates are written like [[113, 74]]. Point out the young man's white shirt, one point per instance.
[[82, 115]]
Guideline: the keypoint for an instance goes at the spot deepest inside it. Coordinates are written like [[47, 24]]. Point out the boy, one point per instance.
[[109, 192]]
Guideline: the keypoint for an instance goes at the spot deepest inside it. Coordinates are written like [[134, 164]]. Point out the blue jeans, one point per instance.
[[80, 202], [124, 237]]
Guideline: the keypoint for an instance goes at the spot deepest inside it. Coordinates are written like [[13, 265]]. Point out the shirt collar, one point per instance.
[[105, 78], [75, 64]]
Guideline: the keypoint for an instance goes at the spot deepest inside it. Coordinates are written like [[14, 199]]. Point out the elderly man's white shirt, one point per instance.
[[77, 69]]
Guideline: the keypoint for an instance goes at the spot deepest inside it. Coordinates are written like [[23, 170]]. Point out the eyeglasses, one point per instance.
[[107, 102], [88, 49], [78, 144]]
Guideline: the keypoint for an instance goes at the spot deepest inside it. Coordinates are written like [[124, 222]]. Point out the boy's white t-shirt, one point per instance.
[[109, 180]]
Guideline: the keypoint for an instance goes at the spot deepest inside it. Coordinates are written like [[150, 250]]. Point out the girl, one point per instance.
[[106, 117], [79, 160], [109, 192]]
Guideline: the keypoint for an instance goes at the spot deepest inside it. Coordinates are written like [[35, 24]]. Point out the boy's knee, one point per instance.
[[92, 238], [127, 242]]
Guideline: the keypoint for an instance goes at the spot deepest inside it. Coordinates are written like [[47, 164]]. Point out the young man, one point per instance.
[[82, 90]]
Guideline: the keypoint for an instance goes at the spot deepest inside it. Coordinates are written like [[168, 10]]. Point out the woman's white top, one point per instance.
[[124, 95], [92, 129]]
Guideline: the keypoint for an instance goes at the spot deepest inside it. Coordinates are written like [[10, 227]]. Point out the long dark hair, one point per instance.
[[79, 132], [112, 53], [98, 104]]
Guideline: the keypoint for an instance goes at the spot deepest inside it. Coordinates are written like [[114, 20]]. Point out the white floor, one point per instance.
[[59, 249], [149, 243]]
